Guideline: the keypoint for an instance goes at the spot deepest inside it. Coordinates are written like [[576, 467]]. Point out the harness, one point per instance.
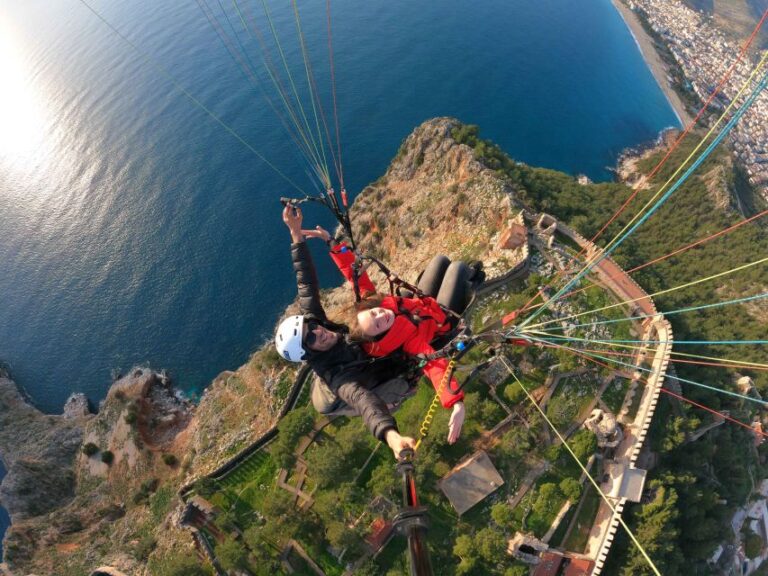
[[413, 316]]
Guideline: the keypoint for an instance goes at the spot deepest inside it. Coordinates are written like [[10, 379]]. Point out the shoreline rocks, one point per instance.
[[38, 452]]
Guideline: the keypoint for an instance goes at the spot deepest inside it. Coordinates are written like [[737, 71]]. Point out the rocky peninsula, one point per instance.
[[85, 490], [91, 490]]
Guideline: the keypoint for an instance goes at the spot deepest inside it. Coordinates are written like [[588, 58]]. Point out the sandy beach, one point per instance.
[[652, 58]]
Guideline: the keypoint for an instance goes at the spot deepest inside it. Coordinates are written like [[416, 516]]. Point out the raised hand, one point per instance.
[[318, 232], [293, 218]]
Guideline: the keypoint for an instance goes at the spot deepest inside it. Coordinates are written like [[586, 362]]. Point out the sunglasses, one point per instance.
[[310, 338]]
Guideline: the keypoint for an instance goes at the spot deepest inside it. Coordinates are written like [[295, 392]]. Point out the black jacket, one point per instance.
[[345, 368]]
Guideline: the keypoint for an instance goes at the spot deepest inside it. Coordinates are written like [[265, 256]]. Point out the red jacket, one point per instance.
[[343, 257], [417, 322]]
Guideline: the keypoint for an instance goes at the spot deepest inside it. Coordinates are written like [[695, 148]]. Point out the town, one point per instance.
[[704, 55]]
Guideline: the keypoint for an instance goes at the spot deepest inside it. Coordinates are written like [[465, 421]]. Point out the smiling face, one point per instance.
[[319, 338], [375, 321]]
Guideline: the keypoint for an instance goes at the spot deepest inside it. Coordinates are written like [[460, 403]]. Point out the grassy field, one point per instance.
[[614, 394], [571, 398], [577, 539]]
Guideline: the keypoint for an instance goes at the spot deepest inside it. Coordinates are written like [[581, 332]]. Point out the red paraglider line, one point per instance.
[[715, 412], [669, 392], [674, 146]]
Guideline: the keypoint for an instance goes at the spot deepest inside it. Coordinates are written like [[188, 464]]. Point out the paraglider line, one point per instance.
[[677, 142], [149, 59], [624, 234], [584, 470]]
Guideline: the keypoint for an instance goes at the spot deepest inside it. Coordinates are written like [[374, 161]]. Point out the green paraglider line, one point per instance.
[[665, 313], [306, 148], [704, 155], [684, 380], [150, 60], [295, 91]]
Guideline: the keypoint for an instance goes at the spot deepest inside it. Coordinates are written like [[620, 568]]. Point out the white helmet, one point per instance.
[[288, 339]]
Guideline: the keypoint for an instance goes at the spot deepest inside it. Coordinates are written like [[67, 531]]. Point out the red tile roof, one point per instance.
[[379, 532], [579, 567], [549, 565]]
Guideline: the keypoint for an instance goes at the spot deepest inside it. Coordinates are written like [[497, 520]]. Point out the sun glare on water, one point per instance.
[[22, 114]]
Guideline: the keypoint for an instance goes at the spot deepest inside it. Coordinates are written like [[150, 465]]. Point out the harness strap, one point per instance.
[[356, 279], [414, 317], [396, 284]]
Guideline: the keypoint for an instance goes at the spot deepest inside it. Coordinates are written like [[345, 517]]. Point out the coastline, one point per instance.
[[653, 60]]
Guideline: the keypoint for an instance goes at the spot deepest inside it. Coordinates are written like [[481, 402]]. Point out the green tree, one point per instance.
[[341, 537], [170, 460], [658, 533], [517, 570], [399, 568], [571, 489], [340, 504], [516, 442], [466, 550], [383, 481], [267, 563], [547, 500], [491, 545], [675, 434], [232, 554], [227, 519], [514, 393], [480, 552], [583, 444], [296, 424], [352, 440], [489, 412], [283, 521], [254, 540], [503, 515], [370, 568], [90, 449], [327, 463]]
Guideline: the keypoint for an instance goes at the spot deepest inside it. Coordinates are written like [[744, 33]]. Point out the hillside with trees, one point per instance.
[[695, 487]]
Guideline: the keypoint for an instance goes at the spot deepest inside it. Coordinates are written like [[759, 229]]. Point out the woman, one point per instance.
[[341, 366], [385, 324]]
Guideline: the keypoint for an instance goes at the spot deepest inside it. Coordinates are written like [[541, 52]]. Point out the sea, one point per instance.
[[137, 229]]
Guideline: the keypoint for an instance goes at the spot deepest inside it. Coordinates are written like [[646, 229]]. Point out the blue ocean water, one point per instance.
[[134, 229]]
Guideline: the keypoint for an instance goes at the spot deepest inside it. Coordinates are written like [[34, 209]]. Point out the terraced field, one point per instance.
[[259, 469]]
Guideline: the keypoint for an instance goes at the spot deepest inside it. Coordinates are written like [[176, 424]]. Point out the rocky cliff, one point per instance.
[[86, 490], [38, 452]]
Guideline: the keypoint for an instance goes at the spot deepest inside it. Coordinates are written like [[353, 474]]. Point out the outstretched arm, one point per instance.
[[306, 275], [344, 258], [375, 415]]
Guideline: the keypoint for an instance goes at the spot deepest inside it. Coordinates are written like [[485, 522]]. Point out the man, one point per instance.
[[345, 369]]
